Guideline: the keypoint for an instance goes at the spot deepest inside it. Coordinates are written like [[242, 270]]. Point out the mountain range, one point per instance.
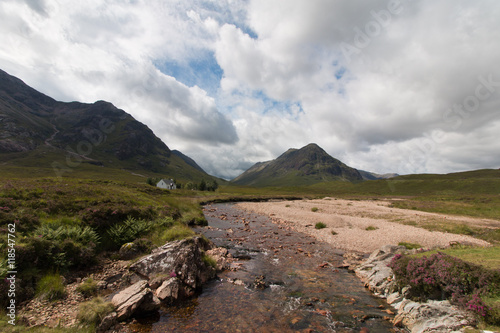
[[59, 138], [36, 130]]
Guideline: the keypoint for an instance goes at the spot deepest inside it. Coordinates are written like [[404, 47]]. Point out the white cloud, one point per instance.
[[411, 70]]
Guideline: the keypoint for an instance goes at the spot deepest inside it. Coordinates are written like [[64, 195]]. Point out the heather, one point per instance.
[[440, 276]]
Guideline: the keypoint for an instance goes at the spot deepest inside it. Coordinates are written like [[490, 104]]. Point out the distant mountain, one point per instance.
[[308, 165], [36, 130], [188, 160], [367, 175]]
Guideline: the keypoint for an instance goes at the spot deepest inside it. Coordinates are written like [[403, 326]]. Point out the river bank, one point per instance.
[[366, 225]]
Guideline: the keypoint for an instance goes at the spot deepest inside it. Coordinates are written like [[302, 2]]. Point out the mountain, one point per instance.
[[367, 175], [305, 166], [188, 160], [58, 137]]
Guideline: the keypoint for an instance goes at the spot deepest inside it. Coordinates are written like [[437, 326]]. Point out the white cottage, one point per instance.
[[167, 184]]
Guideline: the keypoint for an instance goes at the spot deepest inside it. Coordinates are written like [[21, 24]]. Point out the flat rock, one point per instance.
[[136, 299]]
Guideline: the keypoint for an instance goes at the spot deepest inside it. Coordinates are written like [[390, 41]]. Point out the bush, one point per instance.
[[94, 311], [370, 228], [314, 209], [87, 288], [441, 276], [128, 231], [334, 232], [320, 225], [51, 287]]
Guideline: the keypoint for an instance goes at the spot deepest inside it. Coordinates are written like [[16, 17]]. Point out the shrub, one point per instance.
[[370, 228], [128, 231], [51, 287], [87, 288], [441, 276], [320, 225], [79, 234], [334, 232], [93, 311], [314, 209]]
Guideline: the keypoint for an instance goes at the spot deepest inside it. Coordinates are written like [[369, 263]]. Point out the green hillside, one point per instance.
[[62, 139]]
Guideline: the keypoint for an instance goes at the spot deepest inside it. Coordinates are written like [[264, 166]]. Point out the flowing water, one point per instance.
[[286, 282]]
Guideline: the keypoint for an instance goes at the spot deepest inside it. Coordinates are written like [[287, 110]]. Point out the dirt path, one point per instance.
[[349, 220]]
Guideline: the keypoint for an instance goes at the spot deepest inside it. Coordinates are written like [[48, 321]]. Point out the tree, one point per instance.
[[203, 185]]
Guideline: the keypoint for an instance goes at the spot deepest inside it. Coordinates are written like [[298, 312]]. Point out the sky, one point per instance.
[[404, 86]]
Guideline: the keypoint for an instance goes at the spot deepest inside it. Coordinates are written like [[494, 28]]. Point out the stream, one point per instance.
[[286, 281]]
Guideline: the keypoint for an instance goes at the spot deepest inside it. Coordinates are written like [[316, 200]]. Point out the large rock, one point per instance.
[[432, 316], [378, 277], [182, 260], [134, 300]]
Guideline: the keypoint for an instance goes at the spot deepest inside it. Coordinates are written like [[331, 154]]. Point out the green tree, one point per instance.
[[203, 185]]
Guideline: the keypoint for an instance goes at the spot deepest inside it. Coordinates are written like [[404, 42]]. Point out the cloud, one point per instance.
[[386, 85], [107, 51]]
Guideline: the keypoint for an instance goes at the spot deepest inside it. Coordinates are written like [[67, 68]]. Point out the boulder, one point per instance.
[[182, 259], [432, 316], [136, 299], [169, 291]]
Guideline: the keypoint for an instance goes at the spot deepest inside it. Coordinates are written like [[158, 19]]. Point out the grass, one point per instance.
[[177, 232], [51, 287], [320, 225], [410, 246], [487, 257], [87, 288], [209, 261], [93, 311]]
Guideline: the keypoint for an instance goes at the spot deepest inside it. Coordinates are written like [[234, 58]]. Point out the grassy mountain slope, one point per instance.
[[63, 138], [295, 167]]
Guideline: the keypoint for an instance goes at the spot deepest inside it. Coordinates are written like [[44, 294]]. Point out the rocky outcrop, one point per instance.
[[431, 316], [180, 259]]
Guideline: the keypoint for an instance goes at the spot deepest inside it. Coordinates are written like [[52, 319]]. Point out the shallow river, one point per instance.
[[287, 282]]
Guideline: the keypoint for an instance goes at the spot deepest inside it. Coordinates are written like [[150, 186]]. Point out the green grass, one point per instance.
[[488, 257], [177, 232], [410, 246], [93, 311], [51, 287], [209, 261], [320, 225], [87, 288]]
